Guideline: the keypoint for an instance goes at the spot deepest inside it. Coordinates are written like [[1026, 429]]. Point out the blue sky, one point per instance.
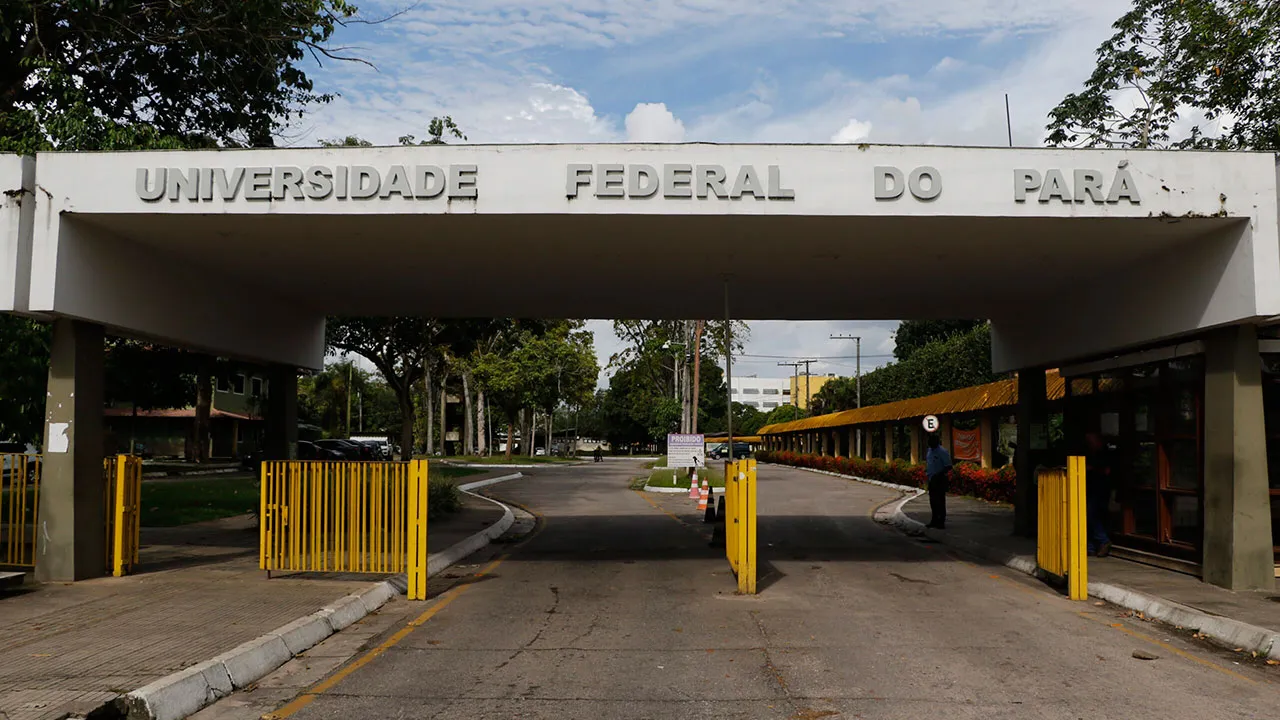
[[892, 71]]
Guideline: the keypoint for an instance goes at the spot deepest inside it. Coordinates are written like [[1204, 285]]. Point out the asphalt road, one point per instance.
[[618, 608]]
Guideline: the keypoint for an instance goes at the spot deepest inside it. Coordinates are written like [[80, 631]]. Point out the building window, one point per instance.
[[735, 391], [786, 391], [237, 384], [771, 391], [751, 391], [255, 386], [770, 405], [223, 385]]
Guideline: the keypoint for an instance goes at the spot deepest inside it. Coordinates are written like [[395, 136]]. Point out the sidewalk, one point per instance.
[[989, 525], [198, 592]]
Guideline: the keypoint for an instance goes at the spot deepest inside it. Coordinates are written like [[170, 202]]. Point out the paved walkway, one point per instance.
[[198, 593], [619, 608], [991, 525]]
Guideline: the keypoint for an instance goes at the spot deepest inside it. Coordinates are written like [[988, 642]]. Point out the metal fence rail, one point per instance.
[[122, 486], [19, 505], [360, 517], [740, 522], [1063, 526]]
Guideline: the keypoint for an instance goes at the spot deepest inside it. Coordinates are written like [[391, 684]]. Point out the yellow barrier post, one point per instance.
[[1077, 530], [747, 575], [418, 487], [731, 514]]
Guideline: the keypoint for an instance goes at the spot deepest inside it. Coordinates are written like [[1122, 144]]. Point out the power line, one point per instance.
[[815, 358]]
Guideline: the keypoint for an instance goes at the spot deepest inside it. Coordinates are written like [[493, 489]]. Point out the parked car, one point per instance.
[[720, 452], [349, 450], [312, 451], [381, 448], [10, 457]]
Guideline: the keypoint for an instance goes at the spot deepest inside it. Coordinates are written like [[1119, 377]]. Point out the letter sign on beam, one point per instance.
[[579, 176], [890, 183], [930, 423]]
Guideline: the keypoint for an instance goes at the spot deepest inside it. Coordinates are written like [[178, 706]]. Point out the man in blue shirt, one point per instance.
[[937, 465]]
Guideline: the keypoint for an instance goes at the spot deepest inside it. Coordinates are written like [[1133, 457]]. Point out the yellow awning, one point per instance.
[[999, 394]]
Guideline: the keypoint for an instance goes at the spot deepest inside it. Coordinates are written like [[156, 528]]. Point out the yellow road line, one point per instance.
[[1166, 646], [661, 509], [309, 696]]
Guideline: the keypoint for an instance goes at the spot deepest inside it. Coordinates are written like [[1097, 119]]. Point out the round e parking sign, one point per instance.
[[930, 423]]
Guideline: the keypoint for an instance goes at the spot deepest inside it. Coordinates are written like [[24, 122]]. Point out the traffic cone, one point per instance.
[[693, 486], [702, 496]]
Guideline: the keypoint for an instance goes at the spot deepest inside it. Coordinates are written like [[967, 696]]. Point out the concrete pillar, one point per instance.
[[1237, 504], [866, 444], [888, 443], [915, 442], [1033, 424], [281, 441], [853, 443], [72, 533], [986, 428]]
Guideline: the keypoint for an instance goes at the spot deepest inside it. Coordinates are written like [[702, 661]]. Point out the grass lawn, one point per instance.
[[501, 459], [445, 472], [659, 463], [166, 504], [662, 477]]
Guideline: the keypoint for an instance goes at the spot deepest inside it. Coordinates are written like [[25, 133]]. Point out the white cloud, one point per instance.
[[854, 131], [653, 122]]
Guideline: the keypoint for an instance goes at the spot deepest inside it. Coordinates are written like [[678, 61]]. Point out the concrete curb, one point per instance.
[[185, 692], [1231, 633], [672, 491], [513, 466], [441, 560]]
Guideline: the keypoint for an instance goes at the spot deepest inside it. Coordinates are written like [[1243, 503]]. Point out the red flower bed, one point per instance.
[[966, 478]]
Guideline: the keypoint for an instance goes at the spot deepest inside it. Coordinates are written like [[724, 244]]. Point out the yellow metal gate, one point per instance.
[[19, 504], [122, 485], [1061, 547], [740, 522], [358, 517]]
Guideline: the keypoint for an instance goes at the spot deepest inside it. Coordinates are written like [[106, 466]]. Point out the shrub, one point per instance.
[[996, 485], [442, 498]]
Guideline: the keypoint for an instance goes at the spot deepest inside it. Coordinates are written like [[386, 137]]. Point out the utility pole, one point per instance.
[[350, 371], [728, 366], [360, 402], [808, 383], [795, 381], [697, 372], [858, 340]]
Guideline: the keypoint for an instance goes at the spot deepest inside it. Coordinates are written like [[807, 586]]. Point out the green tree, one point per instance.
[[1181, 74], [559, 366], [142, 73], [24, 357], [746, 419], [785, 413], [912, 335], [954, 362]]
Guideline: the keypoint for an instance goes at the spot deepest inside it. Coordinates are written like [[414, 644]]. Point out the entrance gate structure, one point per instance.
[[1074, 255]]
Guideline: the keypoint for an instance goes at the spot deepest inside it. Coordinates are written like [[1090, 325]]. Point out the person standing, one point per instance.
[[937, 466], [1097, 488]]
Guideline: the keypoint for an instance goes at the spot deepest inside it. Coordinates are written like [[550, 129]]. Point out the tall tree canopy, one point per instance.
[[120, 74], [955, 361], [912, 335], [1181, 74]]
